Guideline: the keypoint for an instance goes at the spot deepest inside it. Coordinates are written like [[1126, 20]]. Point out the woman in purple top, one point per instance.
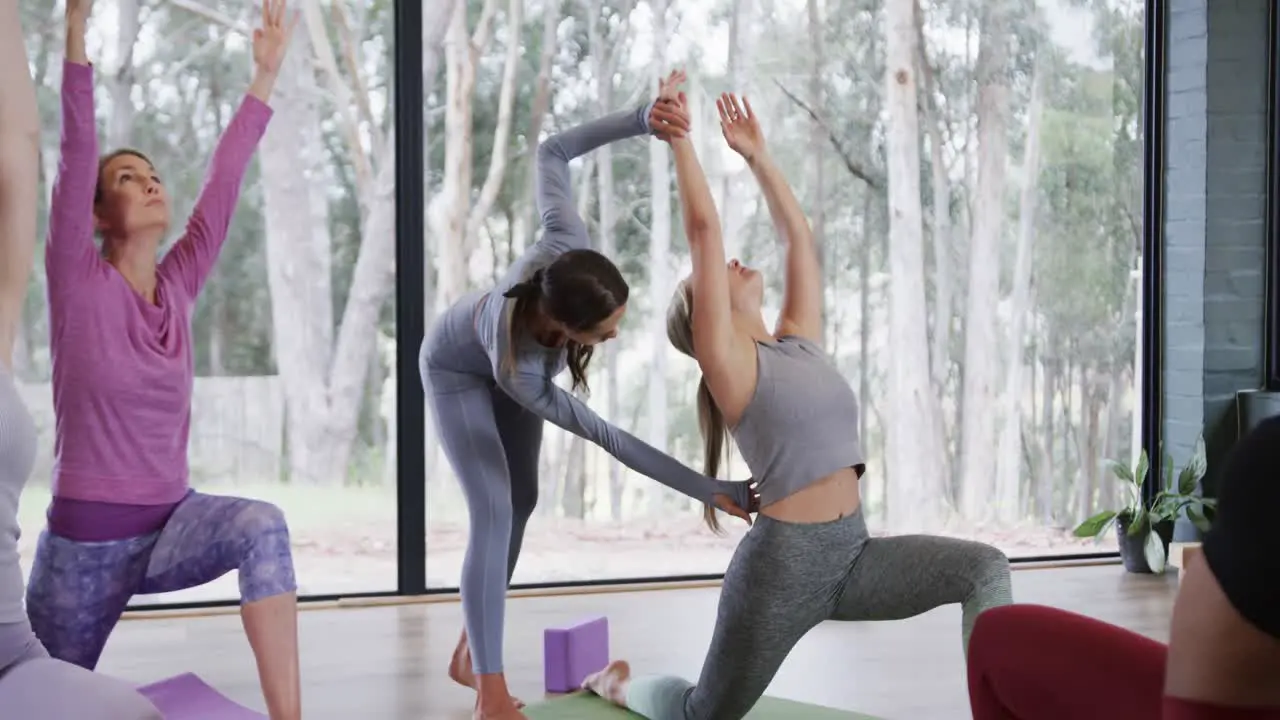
[[123, 519], [32, 685]]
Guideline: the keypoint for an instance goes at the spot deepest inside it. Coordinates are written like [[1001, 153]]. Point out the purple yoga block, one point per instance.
[[571, 654]]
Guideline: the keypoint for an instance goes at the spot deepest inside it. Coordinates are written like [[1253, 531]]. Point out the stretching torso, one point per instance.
[[801, 425]]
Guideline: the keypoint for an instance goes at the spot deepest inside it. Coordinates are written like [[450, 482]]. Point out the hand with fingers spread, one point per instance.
[[272, 39], [669, 118], [669, 88], [270, 42], [739, 126]]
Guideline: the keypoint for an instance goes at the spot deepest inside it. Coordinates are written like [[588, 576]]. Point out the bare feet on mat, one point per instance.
[[611, 682], [460, 670]]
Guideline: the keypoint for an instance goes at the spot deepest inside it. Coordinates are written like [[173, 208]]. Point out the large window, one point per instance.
[[294, 333], [987, 309]]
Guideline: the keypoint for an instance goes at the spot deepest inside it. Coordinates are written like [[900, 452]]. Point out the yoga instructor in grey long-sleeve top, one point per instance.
[[487, 368]]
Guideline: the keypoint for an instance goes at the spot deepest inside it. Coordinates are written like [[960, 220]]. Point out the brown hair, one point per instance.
[[715, 431], [580, 289], [106, 160]]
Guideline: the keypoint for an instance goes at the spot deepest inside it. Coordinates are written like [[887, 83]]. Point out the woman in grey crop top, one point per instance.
[[32, 685], [809, 557], [487, 367]]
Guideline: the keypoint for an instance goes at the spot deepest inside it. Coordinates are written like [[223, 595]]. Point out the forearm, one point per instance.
[[553, 188], [19, 169], [541, 396], [784, 208], [555, 152], [71, 227], [19, 116], [262, 85], [193, 257], [696, 203], [75, 47]]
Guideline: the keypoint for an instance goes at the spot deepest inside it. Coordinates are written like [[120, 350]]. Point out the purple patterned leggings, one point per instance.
[[78, 590]]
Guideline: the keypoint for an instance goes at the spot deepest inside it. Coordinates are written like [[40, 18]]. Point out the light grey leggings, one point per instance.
[[34, 686], [786, 578], [493, 444]]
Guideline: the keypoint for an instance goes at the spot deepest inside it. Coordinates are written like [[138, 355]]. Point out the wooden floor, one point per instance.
[[388, 663]]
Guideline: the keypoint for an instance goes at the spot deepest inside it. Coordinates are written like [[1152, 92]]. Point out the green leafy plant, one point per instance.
[[1176, 495]]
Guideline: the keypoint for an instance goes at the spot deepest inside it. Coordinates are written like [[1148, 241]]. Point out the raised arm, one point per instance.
[[802, 300], [562, 229], [70, 255], [194, 255], [714, 339], [19, 174]]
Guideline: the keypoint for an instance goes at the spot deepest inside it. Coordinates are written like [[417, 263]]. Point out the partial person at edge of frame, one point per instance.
[[1032, 662], [32, 684]]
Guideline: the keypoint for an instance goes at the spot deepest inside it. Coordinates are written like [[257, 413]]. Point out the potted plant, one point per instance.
[[1144, 532]]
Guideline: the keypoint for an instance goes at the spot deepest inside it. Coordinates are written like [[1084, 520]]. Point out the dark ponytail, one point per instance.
[[528, 289], [524, 292], [532, 290]]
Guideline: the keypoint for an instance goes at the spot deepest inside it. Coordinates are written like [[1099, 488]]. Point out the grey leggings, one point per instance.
[[34, 686], [493, 444], [786, 578]]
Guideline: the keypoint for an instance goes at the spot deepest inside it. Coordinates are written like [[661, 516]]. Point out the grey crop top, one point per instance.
[[17, 455], [801, 424], [472, 336]]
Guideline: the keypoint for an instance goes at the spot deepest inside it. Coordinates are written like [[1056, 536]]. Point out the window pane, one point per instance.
[[986, 310], [293, 346]]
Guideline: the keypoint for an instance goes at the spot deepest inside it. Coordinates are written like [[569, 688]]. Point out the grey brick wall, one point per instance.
[[1215, 205]]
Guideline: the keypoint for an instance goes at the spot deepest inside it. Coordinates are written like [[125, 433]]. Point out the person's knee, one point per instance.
[[989, 564], [261, 519], [266, 570], [490, 508]]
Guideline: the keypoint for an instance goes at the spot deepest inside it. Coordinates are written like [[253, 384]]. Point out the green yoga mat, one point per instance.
[[587, 706]]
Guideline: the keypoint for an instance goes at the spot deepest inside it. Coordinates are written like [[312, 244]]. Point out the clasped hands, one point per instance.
[[670, 120]]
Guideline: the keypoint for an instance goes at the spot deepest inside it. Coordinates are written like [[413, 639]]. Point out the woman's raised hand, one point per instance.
[[669, 118], [77, 15], [669, 89], [272, 39], [739, 125]]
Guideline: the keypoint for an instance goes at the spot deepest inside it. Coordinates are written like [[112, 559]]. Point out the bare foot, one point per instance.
[[611, 682], [509, 713], [461, 672], [494, 702]]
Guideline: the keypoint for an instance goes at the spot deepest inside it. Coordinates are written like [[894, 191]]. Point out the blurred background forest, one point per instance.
[[972, 169]]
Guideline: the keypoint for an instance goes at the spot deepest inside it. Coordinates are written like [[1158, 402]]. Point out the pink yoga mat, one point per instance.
[[187, 697]]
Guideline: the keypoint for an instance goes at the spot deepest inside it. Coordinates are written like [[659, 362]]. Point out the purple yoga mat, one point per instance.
[[187, 697]]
